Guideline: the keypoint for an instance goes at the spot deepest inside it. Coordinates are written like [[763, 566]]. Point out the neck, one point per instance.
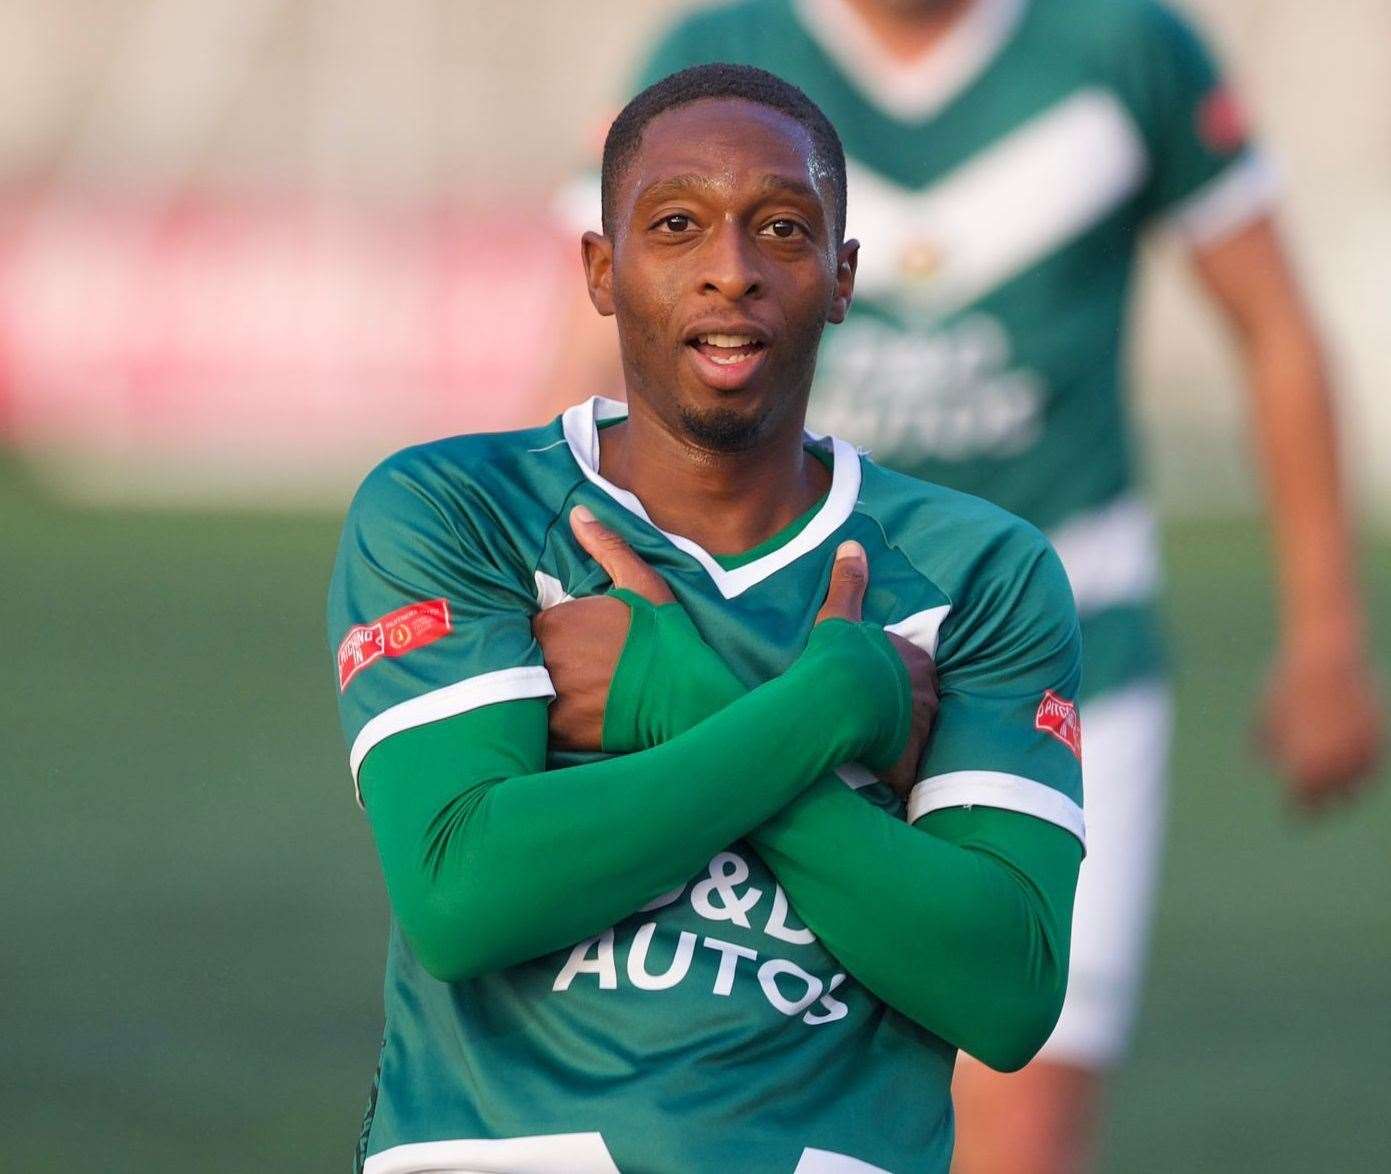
[[728, 502], [906, 32]]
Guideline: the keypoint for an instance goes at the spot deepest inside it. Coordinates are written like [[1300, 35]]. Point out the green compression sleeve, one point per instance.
[[667, 678], [971, 911], [971, 907], [490, 859]]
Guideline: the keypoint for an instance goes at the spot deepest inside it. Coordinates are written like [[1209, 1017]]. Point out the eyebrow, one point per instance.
[[679, 185], [782, 185]]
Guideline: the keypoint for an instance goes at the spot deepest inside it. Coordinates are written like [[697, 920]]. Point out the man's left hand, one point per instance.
[[1322, 725]]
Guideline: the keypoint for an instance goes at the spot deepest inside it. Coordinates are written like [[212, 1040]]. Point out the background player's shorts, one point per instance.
[[1125, 758]]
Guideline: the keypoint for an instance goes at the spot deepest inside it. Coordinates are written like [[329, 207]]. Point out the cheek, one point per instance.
[[808, 297], [645, 296]]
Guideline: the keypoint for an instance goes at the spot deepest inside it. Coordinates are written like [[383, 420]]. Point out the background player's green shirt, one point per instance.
[[710, 1030], [998, 191]]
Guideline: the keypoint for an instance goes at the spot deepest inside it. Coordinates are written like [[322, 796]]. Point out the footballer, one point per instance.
[[724, 783]]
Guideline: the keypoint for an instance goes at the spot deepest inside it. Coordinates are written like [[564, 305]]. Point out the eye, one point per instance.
[[784, 229], [676, 222]]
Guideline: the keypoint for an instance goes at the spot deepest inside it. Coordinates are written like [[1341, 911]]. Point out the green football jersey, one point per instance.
[[999, 189], [710, 1030]]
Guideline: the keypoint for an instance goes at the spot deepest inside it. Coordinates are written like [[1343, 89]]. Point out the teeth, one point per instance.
[[728, 360], [726, 340]]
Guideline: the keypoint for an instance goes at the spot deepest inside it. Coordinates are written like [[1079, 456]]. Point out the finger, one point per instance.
[[1327, 785], [845, 594], [623, 567], [1316, 800], [593, 611]]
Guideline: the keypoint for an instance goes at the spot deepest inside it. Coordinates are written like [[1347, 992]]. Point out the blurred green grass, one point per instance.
[[195, 928]]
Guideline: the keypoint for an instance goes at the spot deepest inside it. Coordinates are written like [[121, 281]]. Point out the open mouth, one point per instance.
[[728, 350]]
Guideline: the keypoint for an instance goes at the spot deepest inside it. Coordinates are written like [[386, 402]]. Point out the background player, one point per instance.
[[701, 1026], [1005, 156]]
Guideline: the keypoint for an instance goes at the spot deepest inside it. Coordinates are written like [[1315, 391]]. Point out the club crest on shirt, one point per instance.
[[1058, 716], [395, 634]]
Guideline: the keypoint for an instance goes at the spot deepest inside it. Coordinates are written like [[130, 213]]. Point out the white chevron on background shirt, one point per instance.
[[1009, 206]]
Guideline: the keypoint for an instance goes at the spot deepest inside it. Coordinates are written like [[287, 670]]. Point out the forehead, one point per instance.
[[728, 140]]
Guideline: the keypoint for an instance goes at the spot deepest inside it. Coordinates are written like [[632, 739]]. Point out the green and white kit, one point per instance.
[[710, 1029]]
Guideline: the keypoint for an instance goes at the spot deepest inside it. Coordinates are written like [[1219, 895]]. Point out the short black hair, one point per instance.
[[719, 80]]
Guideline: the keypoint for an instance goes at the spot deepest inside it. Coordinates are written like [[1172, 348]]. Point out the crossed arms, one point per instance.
[[960, 922]]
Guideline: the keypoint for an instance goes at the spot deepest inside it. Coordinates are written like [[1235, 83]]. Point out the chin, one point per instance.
[[725, 427], [915, 7]]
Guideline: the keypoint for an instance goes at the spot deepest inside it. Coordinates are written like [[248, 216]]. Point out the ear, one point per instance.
[[596, 254], [847, 257]]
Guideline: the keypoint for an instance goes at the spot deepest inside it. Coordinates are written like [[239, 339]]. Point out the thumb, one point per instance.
[[623, 567], [849, 577]]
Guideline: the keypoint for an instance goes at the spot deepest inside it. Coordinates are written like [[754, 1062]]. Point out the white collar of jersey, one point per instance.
[[915, 90], [581, 426]]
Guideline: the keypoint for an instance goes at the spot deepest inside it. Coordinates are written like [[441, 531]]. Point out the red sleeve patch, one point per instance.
[[1222, 122], [395, 634], [1058, 716]]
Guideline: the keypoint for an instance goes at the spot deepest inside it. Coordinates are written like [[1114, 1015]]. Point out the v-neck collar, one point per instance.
[[581, 428], [911, 91]]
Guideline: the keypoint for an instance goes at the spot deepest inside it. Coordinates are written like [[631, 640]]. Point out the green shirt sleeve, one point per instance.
[[490, 859], [1189, 119], [961, 922], [429, 608], [1009, 663]]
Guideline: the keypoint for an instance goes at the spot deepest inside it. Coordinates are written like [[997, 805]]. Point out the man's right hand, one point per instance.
[[845, 600], [582, 640]]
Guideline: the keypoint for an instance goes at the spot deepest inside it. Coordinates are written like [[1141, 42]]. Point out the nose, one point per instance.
[[730, 264]]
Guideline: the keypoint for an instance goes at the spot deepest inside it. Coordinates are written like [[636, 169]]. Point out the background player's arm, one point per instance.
[[1207, 180], [1322, 720]]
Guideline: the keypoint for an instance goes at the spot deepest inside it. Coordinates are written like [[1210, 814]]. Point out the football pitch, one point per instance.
[[195, 928]]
